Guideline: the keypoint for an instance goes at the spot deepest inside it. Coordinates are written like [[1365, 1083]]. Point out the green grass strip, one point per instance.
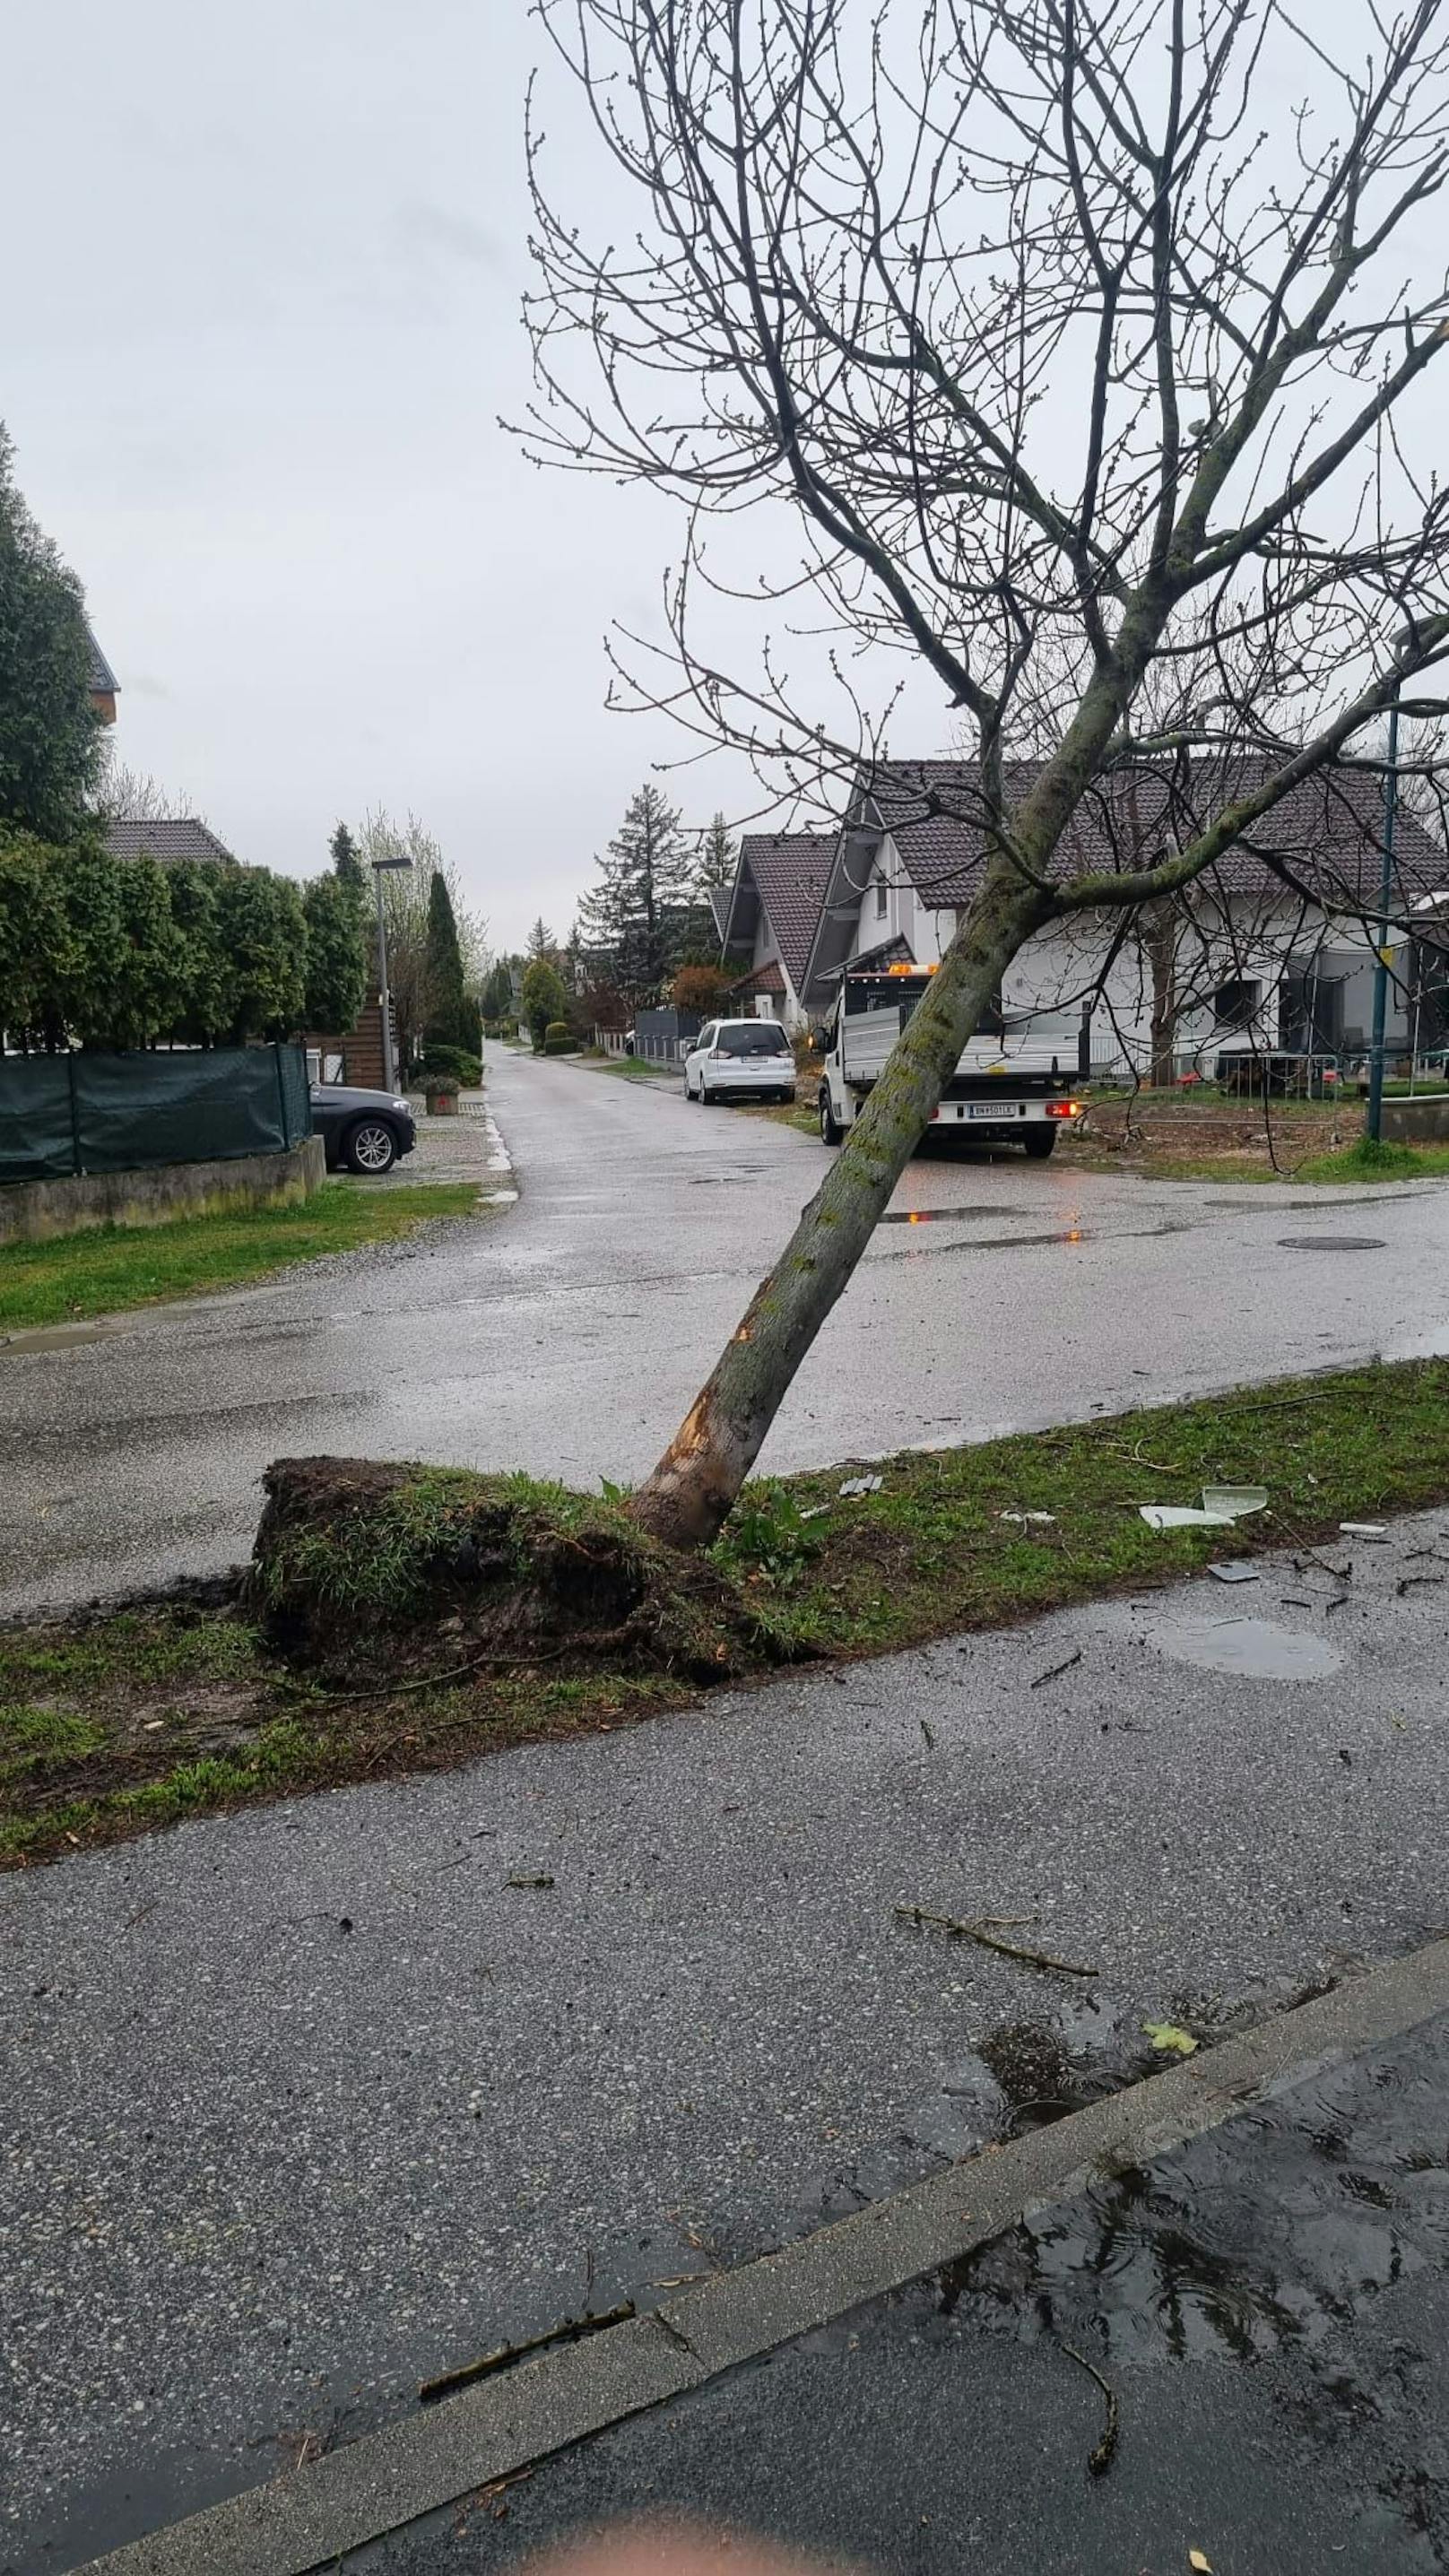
[[75, 1276], [115, 1726]]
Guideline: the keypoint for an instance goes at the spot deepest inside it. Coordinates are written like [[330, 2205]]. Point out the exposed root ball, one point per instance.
[[360, 1566]]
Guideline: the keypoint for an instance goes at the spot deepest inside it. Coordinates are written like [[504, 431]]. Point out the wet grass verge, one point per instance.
[[401, 1624], [72, 1277]]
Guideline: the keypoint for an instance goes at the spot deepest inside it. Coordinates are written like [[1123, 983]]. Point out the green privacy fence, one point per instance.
[[64, 1114]]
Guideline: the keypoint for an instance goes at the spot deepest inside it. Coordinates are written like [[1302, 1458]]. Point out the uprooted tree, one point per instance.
[[1084, 353]]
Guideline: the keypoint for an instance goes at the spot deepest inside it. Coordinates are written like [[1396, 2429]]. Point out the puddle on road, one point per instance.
[[962, 1215], [1269, 2232], [55, 1337], [1256, 1648]]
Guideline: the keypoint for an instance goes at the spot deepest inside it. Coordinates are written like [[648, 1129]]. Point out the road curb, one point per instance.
[[310, 2516]]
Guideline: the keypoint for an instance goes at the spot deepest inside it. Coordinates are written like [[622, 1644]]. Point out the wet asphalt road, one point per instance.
[[569, 1334], [1270, 2307], [305, 2104]]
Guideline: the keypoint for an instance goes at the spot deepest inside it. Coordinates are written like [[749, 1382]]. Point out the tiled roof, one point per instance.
[[769, 978], [103, 682], [720, 898], [182, 837], [789, 870], [1327, 832]]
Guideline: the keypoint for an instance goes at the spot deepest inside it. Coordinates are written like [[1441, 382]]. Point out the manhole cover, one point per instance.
[[1330, 1242]]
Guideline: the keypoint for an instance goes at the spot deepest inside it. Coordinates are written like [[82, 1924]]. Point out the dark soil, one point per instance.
[[393, 1570]]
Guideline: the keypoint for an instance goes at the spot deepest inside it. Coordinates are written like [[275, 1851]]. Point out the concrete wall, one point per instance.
[[32, 1210], [1417, 1122]]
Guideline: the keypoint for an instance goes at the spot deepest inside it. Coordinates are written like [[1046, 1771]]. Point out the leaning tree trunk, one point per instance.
[[1160, 939], [692, 1490]]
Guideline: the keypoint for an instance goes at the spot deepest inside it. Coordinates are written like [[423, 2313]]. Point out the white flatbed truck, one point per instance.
[[1012, 1085]]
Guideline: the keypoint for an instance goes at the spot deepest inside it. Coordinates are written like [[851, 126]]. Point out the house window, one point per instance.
[[882, 897], [1235, 1002]]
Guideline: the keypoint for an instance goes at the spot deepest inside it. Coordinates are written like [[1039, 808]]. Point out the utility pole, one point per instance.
[[1381, 968], [389, 1060]]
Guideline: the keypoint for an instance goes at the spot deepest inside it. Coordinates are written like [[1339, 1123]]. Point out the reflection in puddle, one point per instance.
[[1265, 2233], [1254, 1647]]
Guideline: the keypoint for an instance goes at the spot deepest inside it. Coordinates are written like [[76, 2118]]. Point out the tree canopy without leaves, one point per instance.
[[126, 795], [1086, 355], [50, 748], [406, 900]]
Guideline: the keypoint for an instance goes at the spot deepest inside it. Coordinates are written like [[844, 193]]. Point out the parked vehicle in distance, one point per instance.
[[731, 1058], [365, 1130], [1008, 1087]]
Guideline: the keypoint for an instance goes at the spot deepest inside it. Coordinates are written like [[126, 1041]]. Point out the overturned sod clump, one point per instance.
[[362, 1568]]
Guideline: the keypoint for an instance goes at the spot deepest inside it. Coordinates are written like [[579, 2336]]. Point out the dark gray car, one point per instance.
[[366, 1130]]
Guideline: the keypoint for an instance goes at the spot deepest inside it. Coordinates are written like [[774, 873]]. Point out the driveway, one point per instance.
[[568, 1334]]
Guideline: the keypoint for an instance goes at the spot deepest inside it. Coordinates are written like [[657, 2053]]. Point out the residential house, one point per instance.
[[772, 917], [1271, 949], [105, 688], [170, 840]]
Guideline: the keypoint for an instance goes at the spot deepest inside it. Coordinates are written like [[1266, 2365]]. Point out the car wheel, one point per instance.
[[370, 1147], [1039, 1142], [831, 1132]]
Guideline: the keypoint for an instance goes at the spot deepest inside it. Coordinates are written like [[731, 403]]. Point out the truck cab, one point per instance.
[[1012, 1084]]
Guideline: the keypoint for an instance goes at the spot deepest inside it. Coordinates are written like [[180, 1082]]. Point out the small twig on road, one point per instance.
[[1101, 2459], [930, 1738], [983, 1928], [1054, 1671], [1407, 1582], [571, 2330]]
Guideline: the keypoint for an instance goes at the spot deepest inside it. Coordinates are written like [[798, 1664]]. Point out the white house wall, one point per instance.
[[1060, 967]]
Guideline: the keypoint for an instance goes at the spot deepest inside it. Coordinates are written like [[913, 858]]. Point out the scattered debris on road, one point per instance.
[[1169, 2040], [571, 2330], [862, 1485], [1054, 1671], [1374, 1530], [1100, 2460], [519, 1879], [987, 1929], [1236, 1571]]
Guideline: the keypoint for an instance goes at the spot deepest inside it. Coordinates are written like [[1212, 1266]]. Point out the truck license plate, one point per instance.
[[983, 1109]]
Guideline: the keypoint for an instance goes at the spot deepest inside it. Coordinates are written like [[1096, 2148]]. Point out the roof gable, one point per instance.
[[181, 836], [1327, 832], [789, 872]]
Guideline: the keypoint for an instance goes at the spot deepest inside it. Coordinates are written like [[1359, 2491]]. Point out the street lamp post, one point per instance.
[[389, 1060], [1381, 966]]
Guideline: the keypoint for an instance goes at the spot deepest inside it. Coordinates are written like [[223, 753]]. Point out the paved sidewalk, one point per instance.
[[464, 1148], [1269, 2309], [306, 2104]]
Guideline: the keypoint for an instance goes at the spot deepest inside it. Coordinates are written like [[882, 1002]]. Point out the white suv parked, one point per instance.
[[731, 1057]]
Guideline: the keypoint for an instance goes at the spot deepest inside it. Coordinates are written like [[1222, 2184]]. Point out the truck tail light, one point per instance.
[[1065, 1108]]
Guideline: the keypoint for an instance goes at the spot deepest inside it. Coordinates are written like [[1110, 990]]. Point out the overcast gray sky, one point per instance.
[[261, 315], [261, 302]]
